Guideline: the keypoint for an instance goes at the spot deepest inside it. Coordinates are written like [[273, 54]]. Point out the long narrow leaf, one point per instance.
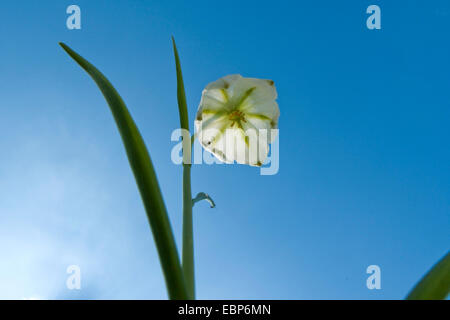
[[146, 179], [188, 228], [435, 285]]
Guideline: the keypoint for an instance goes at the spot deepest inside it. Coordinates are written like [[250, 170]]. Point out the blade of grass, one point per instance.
[[146, 180], [435, 285], [188, 229]]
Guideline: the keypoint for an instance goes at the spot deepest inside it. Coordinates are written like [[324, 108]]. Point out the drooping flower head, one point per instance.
[[235, 119]]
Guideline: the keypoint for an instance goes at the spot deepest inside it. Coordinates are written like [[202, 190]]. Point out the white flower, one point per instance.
[[235, 119]]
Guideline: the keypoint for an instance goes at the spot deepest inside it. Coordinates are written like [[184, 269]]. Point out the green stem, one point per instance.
[[188, 233]]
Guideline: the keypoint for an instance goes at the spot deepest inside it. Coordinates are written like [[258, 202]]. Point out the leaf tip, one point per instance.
[[65, 48], [174, 45]]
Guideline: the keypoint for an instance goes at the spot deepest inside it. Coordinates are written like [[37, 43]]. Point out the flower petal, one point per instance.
[[235, 119]]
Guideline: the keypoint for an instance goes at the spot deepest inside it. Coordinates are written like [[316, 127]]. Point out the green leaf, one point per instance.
[[188, 228], [146, 180], [181, 94], [203, 196], [435, 285]]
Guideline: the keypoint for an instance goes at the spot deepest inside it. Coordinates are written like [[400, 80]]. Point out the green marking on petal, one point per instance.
[[244, 136], [210, 111], [225, 95], [212, 97], [216, 117], [217, 137], [246, 139], [258, 116], [239, 124], [244, 97]]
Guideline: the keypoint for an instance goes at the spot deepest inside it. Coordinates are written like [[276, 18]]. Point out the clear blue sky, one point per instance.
[[364, 147]]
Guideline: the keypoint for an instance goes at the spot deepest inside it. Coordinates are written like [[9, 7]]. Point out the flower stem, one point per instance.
[[188, 233]]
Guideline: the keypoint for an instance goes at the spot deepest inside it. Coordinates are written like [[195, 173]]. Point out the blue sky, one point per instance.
[[364, 155]]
